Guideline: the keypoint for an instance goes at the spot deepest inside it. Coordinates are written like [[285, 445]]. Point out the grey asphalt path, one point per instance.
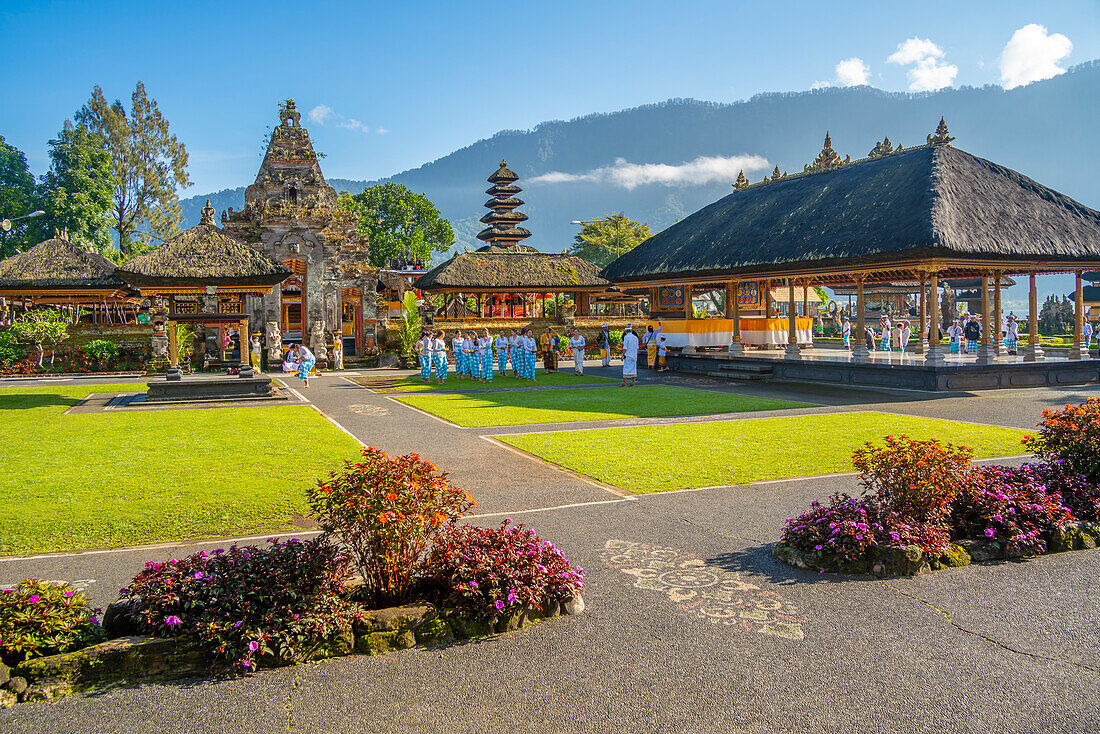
[[991, 647]]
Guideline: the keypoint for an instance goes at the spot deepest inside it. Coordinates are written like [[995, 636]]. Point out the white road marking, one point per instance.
[[555, 507], [158, 546], [294, 392], [332, 420]]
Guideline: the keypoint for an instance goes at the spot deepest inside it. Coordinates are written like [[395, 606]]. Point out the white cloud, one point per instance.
[[702, 170], [320, 113], [1032, 55], [928, 72], [853, 72]]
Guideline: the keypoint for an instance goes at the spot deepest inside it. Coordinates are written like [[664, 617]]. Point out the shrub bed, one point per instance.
[[926, 506], [392, 569]]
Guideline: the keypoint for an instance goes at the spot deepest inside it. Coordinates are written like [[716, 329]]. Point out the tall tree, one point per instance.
[[76, 193], [148, 162], [17, 197], [603, 240], [397, 223]]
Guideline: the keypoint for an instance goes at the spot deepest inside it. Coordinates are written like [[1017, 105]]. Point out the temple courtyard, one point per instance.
[[648, 501]]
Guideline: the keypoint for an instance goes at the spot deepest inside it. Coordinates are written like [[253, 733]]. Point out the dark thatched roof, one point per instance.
[[492, 234], [204, 255], [506, 203], [491, 217], [516, 268], [503, 175], [513, 248], [503, 190], [931, 201], [58, 264]]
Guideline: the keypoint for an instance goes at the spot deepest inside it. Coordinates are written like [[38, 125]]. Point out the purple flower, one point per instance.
[[198, 574], [237, 624], [498, 604], [818, 547], [172, 620], [34, 599], [990, 532], [253, 646], [473, 584], [69, 593]]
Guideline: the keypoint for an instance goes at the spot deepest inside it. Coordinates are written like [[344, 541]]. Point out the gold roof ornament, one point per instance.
[[827, 160], [207, 214], [883, 147], [288, 112], [940, 137], [776, 175], [741, 182]]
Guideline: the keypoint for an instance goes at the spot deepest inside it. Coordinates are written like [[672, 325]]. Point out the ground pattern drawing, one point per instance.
[[708, 592]]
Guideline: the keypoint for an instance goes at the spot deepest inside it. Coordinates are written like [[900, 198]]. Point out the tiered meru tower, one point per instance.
[[502, 219]]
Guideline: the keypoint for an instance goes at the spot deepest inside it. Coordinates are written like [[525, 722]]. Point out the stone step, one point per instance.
[[747, 367], [738, 375]]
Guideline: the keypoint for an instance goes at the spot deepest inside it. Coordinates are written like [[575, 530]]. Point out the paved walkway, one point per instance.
[[991, 647]]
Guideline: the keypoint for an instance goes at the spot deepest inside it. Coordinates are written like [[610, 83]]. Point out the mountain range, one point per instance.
[[1046, 130]]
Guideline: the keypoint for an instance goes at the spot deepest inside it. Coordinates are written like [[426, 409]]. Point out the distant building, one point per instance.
[[290, 214]]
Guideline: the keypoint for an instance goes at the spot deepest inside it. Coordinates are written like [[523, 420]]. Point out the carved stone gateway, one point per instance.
[[317, 340]]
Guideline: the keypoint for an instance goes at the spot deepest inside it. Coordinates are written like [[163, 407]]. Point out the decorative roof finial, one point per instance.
[[776, 175], [289, 115], [883, 147], [207, 214], [503, 163], [827, 159], [940, 137], [61, 234], [741, 182]]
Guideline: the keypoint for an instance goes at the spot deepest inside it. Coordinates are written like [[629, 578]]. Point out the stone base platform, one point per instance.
[[201, 389], [899, 373]]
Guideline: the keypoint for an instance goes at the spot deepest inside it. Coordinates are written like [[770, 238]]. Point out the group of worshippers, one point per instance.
[[299, 360], [473, 354], [656, 352], [963, 334]]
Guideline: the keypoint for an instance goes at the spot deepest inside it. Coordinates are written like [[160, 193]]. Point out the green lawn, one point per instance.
[[413, 383], [101, 480], [585, 404], [685, 456]]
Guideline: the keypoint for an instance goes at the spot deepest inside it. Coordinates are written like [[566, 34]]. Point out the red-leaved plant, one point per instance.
[[387, 512], [916, 479], [1072, 436], [491, 572]]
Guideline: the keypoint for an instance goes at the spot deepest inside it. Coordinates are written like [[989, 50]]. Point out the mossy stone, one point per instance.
[[465, 626], [957, 557]]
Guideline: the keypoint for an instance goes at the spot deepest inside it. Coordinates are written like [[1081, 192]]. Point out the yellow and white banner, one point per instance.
[[719, 332]]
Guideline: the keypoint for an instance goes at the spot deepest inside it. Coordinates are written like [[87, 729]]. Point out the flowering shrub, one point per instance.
[[841, 532], [491, 572], [1010, 506], [916, 479], [101, 351], [240, 603], [1081, 496], [43, 618], [1072, 436], [10, 351], [387, 512]]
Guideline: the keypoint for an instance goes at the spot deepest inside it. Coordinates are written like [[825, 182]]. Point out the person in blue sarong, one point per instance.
[[485, 350], [530, 349], [502, 345], [439, 357], [424, 351], [305, 360]]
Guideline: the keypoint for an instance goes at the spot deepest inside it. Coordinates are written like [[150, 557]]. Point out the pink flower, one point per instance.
[[34, 599], [498, 604], [69, 593], [990, 532], [198, 574], [253, 646], [172, 620]]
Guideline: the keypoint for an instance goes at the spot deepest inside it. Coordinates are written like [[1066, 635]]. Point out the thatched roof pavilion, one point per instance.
[[204, 255], [919, 214], [56, 270], [512, 269]]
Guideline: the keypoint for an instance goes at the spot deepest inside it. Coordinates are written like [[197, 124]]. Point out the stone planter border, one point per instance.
[[139, 659], [896, 561]]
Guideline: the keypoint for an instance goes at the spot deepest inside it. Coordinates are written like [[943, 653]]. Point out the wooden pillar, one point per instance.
[[985, 348], [934, 355], [806, 298], [173, 371], [794, 351], [1034, 352], [859, 345], [512, 305], [737, 348], [245, 370], [767, 294], [922, 310], [1080, 349], [689, 310], [998, 318]]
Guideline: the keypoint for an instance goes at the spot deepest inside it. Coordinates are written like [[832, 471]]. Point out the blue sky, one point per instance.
[[409, 82]]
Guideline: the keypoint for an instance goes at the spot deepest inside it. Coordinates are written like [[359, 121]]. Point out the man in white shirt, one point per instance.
[[846, 332], [630, 356], [502, 345]]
